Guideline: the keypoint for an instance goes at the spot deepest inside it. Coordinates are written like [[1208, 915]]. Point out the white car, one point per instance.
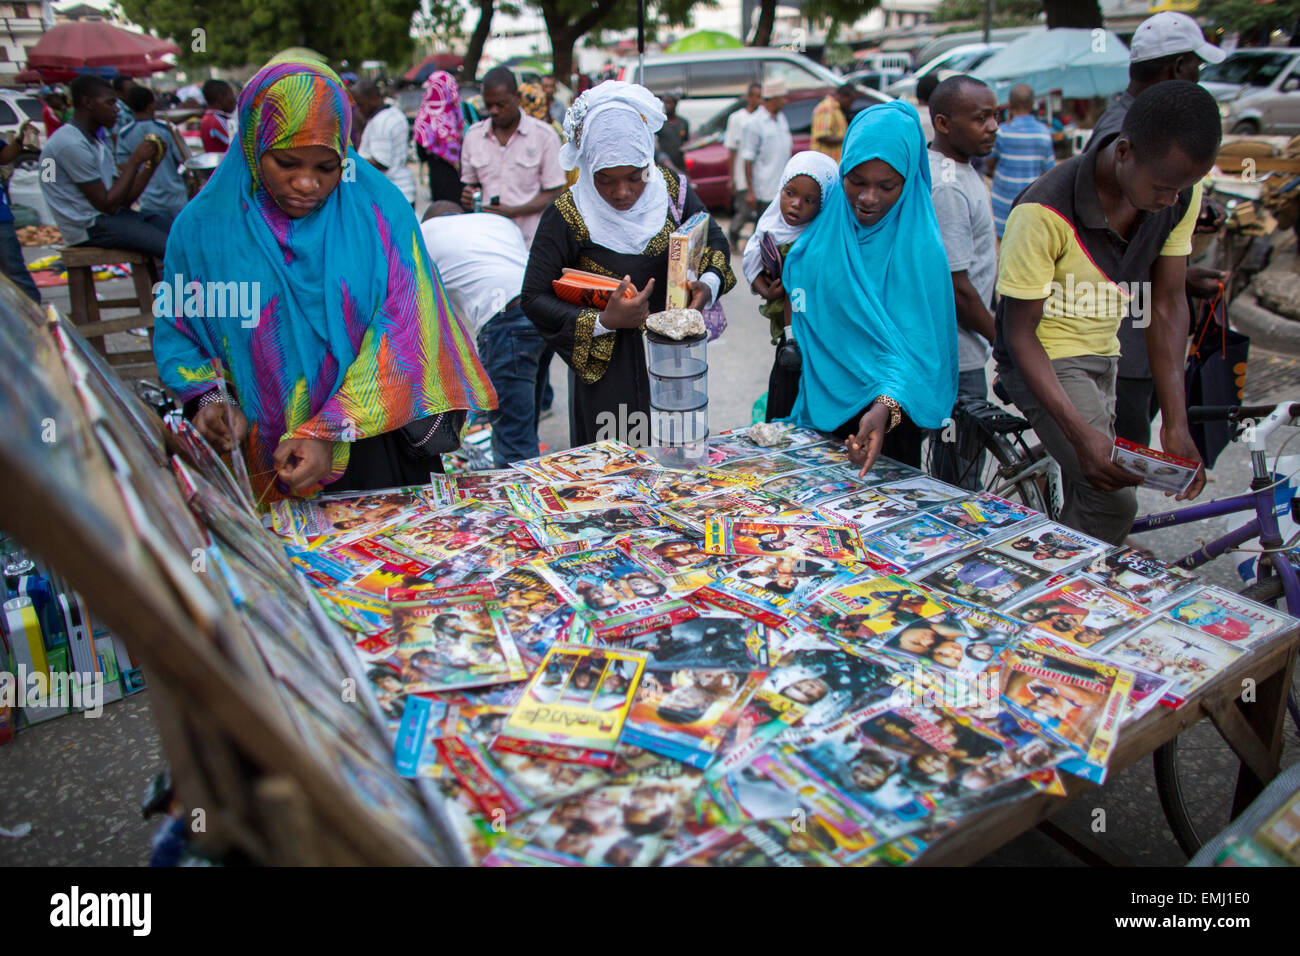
[[960, 59], [15, 108], [1258, 90]]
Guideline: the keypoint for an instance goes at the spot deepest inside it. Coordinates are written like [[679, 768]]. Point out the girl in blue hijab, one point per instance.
[[872, 296]]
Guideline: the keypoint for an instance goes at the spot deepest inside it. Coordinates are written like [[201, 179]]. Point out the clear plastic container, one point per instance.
[[676, 427], [668, 358], [680, 394]]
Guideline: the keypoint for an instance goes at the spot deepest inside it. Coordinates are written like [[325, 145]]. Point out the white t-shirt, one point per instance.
[[385, 140], [732, 140], [481, 259], [767, 143]]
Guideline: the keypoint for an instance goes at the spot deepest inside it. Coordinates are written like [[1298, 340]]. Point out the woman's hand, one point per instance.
[[223, 425], [630, 313], [701, 295], [302, 463], [864, 447]]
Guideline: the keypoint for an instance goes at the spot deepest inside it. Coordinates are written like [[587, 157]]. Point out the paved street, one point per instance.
[[101, 825]]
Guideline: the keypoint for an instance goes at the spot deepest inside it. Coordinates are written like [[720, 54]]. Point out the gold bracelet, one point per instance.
[[895, 410]]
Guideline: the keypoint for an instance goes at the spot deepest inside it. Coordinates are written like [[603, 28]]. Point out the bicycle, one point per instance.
[[1011, 465]]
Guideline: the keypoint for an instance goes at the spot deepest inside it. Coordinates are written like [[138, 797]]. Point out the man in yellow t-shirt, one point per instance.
[[830, 121], [1079, 246]]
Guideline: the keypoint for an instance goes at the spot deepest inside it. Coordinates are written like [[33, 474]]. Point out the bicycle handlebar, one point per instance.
[[1197, 414]]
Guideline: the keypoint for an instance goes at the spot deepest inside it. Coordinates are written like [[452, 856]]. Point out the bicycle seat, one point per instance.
[[1000, 391]]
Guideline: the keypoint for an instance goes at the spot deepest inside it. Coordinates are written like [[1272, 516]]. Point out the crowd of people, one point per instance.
[[887, 272]]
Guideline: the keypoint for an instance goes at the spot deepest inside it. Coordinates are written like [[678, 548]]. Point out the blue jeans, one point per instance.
[[12, 263], [516, 358], [949, 464], [138, 231]]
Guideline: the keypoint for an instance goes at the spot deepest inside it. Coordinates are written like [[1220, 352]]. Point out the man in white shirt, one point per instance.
[[481, 259], [766, 146], [385, 138], [740, 211]]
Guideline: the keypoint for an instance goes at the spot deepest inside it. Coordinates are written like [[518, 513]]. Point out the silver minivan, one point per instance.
[[1258, 89], [708, 81]]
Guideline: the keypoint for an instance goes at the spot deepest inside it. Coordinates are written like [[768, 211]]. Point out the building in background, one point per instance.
[[21, 25]]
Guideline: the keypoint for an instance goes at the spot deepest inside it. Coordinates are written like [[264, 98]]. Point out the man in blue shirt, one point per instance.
[[166, 193], [11, 253], [1022, 154]]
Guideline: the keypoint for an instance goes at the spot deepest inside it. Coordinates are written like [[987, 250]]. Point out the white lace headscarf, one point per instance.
[[614, 124]]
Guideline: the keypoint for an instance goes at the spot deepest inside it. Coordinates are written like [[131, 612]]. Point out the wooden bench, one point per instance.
[[86, 306]]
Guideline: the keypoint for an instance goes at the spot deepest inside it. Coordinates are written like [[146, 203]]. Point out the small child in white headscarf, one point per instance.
[[805, 181]]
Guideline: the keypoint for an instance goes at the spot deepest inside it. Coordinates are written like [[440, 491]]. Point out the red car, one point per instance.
[[706, 157]]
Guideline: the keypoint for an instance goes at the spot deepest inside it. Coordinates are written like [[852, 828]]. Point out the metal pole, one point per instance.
[[640, 41], [988, 19]]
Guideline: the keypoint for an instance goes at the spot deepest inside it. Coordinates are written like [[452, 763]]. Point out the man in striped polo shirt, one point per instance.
[[1023, 153], [1101, 237]]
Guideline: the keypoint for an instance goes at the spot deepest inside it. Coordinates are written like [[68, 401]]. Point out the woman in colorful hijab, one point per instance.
[[873, 306], [301, 270], [439, 126], [615, 221]]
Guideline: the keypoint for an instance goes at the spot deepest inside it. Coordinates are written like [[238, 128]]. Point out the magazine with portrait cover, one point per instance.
[[686, 713], [327, 515], [830, 683], [671, 553], [591, 525], [692, 516], [736, 443], [1080, 611], [595, 461], [772, 842], [716, 640], [1140, 576], [578, 697], [884, 471], [1052, 547], [443, 646], [486, 487], [921, 492], [533, 502], [771, 590], [743, 536], [1230, 617], [673, 487], [478, 772], [1075, 700], [964, 639], [820, 455], [1149, 688], [614, 594], [763, 467], [918, 540], [1170, 649], [823, 485], [856, 613], [630, 822], [985, 577], [788, 485], [985, 515], [867, 509]]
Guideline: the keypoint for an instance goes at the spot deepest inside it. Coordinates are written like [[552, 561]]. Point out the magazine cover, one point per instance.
[[716, 640], [591, 525], [822, 485], [962, 638], [674, 487], [1169, 649], [1079, 611], [856, 613], [332, 515], [1078, 701], [532, 502], [772, 589], [597, 460], [1140, 576], [918, 540], [613, 593], [737, 443], [694, 515], [579, 697], [985, 577], [773, 842], [742, 536], [675, 553], [819, 455], [764, 466], [921, 492], [1229, 617], [443, 646], [686, 246], [830, 683], [984, 515], [867, 509], [685, 714], [1158, 470], [486, 487], [1052, 547]]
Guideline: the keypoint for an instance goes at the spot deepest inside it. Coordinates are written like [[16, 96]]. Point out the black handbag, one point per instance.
[[433, 436], [1215, 374]]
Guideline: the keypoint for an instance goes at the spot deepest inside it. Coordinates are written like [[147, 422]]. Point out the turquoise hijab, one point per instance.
[[877, 315]]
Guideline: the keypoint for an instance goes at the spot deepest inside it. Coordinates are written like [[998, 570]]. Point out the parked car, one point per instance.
[[14, 109], [1258, 90], [960, 59], [706, 157], [874, 79], [897, 62], [709, 81]]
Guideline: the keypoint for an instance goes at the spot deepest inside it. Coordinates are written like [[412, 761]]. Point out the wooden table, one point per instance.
[[1253, 730]]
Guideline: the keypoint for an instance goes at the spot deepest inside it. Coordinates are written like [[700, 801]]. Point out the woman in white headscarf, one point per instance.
[[614, 221]]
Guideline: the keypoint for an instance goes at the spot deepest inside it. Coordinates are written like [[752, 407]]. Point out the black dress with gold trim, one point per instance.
[[606, 371]]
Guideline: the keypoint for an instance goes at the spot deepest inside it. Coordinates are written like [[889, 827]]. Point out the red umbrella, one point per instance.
[[91, 43]]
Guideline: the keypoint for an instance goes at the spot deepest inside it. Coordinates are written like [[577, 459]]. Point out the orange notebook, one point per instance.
[[588, 289]]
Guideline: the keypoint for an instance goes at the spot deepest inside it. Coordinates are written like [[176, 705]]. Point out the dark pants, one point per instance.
[[517, 359], [444, 180], [903, 443], [1135, 408], [958, 465], [744, 213], [138, 231], [782, 389], [13, 264]]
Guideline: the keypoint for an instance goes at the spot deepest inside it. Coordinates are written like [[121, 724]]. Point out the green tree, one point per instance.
[[232, 33], [1252, 20], [1072, 13], [766, 20], [1004, 11], [838, 12], [568, 21]]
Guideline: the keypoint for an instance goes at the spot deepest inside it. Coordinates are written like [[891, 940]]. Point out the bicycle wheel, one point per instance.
[[1196, 772], [981, 460]]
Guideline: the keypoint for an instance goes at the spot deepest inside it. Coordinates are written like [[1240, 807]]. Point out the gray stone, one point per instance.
[[677, 323]]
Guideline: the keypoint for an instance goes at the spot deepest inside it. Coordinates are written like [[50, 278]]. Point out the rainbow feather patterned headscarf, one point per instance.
[[292, 103]]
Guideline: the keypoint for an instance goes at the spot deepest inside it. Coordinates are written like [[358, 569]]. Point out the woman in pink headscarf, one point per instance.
[[438, 128]]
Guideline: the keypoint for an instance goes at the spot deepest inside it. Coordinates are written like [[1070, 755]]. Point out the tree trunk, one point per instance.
[[562, 44], [469, 68], [766, 20], [1072, 13]]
